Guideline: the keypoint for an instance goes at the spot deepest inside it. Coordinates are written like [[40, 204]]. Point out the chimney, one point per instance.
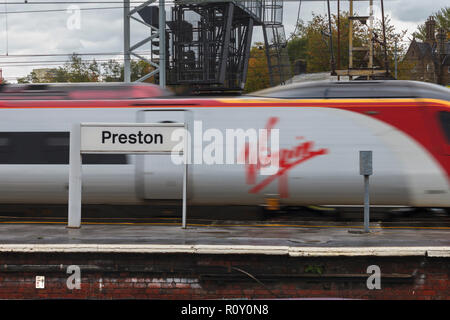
[[430, 26], [441, 40]]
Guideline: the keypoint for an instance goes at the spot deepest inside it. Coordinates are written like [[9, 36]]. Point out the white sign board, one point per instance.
[[152, 138], [128, 137]]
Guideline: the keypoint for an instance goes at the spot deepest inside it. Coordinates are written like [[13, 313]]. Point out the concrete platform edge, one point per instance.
[[228, 249]]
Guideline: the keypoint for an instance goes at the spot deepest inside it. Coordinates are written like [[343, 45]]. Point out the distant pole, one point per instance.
[[126, 42], [338, 37], [395, 59], [386, 62], [162, 44], [370, 65]]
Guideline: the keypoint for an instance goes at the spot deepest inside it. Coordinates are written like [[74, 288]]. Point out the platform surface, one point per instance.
[[314, 239]]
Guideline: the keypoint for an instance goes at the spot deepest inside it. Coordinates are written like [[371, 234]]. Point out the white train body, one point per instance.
[[405, 171]]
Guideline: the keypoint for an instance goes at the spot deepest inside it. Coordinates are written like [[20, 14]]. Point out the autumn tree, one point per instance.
[[316, 50], [258, 71]]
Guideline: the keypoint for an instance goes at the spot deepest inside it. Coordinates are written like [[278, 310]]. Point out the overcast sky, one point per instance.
[[101, 31]]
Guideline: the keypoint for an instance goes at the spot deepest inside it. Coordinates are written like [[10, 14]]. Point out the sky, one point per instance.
[[26, 36]]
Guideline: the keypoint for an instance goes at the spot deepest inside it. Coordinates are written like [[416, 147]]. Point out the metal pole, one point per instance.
[[366, 169], [333, 64], [350, 39], [269, 62], [185, 156], [126, 42], [366, 204], [370, 37], [184, 194], [162, 44], [74, 219]]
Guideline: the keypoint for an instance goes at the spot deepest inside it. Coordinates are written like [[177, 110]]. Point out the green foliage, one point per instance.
[[77, 70], [442, 18], [258, 71], [315, 269], [311, 42], [112, 71], [297, 49]]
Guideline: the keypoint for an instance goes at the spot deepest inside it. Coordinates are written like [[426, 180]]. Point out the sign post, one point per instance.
[[74, 220], [365, 169], [131, 138]]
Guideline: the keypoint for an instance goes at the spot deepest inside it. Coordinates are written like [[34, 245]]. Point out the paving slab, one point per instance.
[[295, 241]]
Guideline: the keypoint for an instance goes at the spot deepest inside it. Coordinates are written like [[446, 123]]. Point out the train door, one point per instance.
[[440, 119], [157, 176], [444, 122]]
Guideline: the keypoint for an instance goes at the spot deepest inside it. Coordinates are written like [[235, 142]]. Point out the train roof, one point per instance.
[[81, 91], [356, 90]]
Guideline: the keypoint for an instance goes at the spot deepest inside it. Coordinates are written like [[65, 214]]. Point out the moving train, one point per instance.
[[322, 126]]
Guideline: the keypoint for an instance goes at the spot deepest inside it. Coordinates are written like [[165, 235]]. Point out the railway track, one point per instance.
[[292, 217]]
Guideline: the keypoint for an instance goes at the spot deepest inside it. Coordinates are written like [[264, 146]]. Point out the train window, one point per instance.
[[58, 141], [356, 90], [104, 159], [46, 148], [444, 119], [430, 90], [292, 92], [368, 91], [4, 142]]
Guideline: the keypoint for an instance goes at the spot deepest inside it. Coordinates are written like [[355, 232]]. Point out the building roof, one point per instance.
[[424, 48]]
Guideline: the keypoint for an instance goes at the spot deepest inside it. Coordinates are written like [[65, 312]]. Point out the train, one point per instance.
[[321, 128]]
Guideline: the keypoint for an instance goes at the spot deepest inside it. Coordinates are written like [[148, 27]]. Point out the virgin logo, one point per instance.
[[288, 159]]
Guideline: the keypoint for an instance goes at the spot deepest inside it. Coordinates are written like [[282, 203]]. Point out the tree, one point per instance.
[[112, 71], [317, 52], [139, 69], [312, 44], [442, 18], [30, 78], [77, 70], [258, 71], [297, 45]]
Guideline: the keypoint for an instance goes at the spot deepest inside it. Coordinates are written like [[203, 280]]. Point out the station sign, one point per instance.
[[145, 138], [128, 137]]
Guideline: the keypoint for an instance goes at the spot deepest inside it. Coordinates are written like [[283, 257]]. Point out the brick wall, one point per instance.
[[186, 276]]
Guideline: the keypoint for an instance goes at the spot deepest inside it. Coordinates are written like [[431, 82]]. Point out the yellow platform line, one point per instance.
[[223, 225]]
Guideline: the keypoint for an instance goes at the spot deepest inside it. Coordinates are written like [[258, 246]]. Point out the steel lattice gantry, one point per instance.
[[206, 43], [210, 43], [156, 24], [275, 42]]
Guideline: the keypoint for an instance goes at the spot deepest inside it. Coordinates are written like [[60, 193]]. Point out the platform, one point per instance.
[[320, 235], [255, 260]]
